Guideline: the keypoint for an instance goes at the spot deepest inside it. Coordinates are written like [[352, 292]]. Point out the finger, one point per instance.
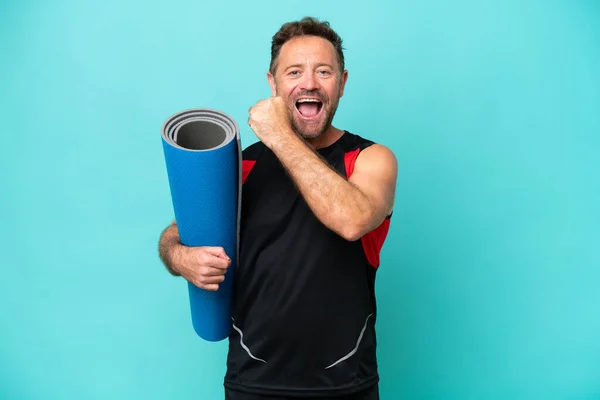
[[206, 259], [206, 281], [210, 260], [209, 286], [209, 280], [212, 271], [220, 263], [217, 252], [212, 288]]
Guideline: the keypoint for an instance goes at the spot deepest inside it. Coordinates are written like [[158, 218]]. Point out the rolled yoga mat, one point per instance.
[[202, 152]]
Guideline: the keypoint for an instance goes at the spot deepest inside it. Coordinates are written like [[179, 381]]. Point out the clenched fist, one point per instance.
[[205, 266], [269, 119]]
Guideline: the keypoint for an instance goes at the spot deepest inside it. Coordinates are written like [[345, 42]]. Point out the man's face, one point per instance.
[[308, 78]]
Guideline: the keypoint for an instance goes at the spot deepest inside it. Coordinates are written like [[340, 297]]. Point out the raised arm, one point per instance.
[[350, 207]]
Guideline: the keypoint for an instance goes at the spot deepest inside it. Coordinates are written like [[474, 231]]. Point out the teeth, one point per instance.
[[309, 101]]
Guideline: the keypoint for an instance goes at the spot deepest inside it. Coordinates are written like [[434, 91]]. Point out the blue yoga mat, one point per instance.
[[202, 152]]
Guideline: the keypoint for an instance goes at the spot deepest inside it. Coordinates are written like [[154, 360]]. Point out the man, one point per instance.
[[316, 208]]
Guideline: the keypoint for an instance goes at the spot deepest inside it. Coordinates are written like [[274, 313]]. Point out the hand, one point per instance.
[[205, 267], [269, 119]]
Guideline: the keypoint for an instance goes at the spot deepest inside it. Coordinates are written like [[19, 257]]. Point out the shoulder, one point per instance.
[[377, 153], [368, 152], [377, 165], [368, 160]]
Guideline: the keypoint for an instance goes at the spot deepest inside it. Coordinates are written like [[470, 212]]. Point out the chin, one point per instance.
[[311, 129], [309, 132]]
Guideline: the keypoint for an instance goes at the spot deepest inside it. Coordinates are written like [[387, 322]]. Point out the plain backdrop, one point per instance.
[[490, 277]]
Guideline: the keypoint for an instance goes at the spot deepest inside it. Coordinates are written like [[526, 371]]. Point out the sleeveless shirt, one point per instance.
[[304, 308]]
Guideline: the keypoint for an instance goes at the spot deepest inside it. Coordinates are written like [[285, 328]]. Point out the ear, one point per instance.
[[343, 82], [272, 83]]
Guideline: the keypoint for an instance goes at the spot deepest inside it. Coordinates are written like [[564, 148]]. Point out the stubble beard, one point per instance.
[[313, 130]]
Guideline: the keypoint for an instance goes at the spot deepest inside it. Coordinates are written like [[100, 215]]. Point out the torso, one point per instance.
[[304, 296]]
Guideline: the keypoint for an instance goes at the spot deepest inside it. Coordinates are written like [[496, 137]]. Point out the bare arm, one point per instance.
[[351, 207], [170, 248]]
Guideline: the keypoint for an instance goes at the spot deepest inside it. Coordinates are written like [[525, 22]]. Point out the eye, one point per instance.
[[324, 72], [294, 72]]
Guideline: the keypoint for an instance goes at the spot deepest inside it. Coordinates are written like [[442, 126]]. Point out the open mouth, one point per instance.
[[309, 108]]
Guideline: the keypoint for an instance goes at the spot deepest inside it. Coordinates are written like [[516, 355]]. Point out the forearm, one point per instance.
[[337, 203], [169, 249]]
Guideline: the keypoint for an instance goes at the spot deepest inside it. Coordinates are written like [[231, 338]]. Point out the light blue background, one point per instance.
[[490, 283]]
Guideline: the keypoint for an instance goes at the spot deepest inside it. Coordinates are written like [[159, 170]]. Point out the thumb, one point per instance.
[[217, 252]]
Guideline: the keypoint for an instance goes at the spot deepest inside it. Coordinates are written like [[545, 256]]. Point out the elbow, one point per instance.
[[351, 236], [353, 231], [352, 226]]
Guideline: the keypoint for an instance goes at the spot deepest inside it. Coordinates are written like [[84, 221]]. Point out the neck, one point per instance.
[[327, 138]]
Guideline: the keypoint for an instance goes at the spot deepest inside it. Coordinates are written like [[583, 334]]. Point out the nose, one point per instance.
[[309, 82]]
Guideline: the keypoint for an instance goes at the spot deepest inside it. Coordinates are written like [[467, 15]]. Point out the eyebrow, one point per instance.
[[302, 65]]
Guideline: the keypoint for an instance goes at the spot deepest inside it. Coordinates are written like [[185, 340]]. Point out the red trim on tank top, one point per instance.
[[372, 242], [349, 160], [247, 166]]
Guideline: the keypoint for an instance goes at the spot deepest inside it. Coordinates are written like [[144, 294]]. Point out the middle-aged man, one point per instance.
[[316, 209]]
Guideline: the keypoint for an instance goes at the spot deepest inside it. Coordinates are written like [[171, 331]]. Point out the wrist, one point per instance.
[[286, 139], [179, 258], [172, 254]]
